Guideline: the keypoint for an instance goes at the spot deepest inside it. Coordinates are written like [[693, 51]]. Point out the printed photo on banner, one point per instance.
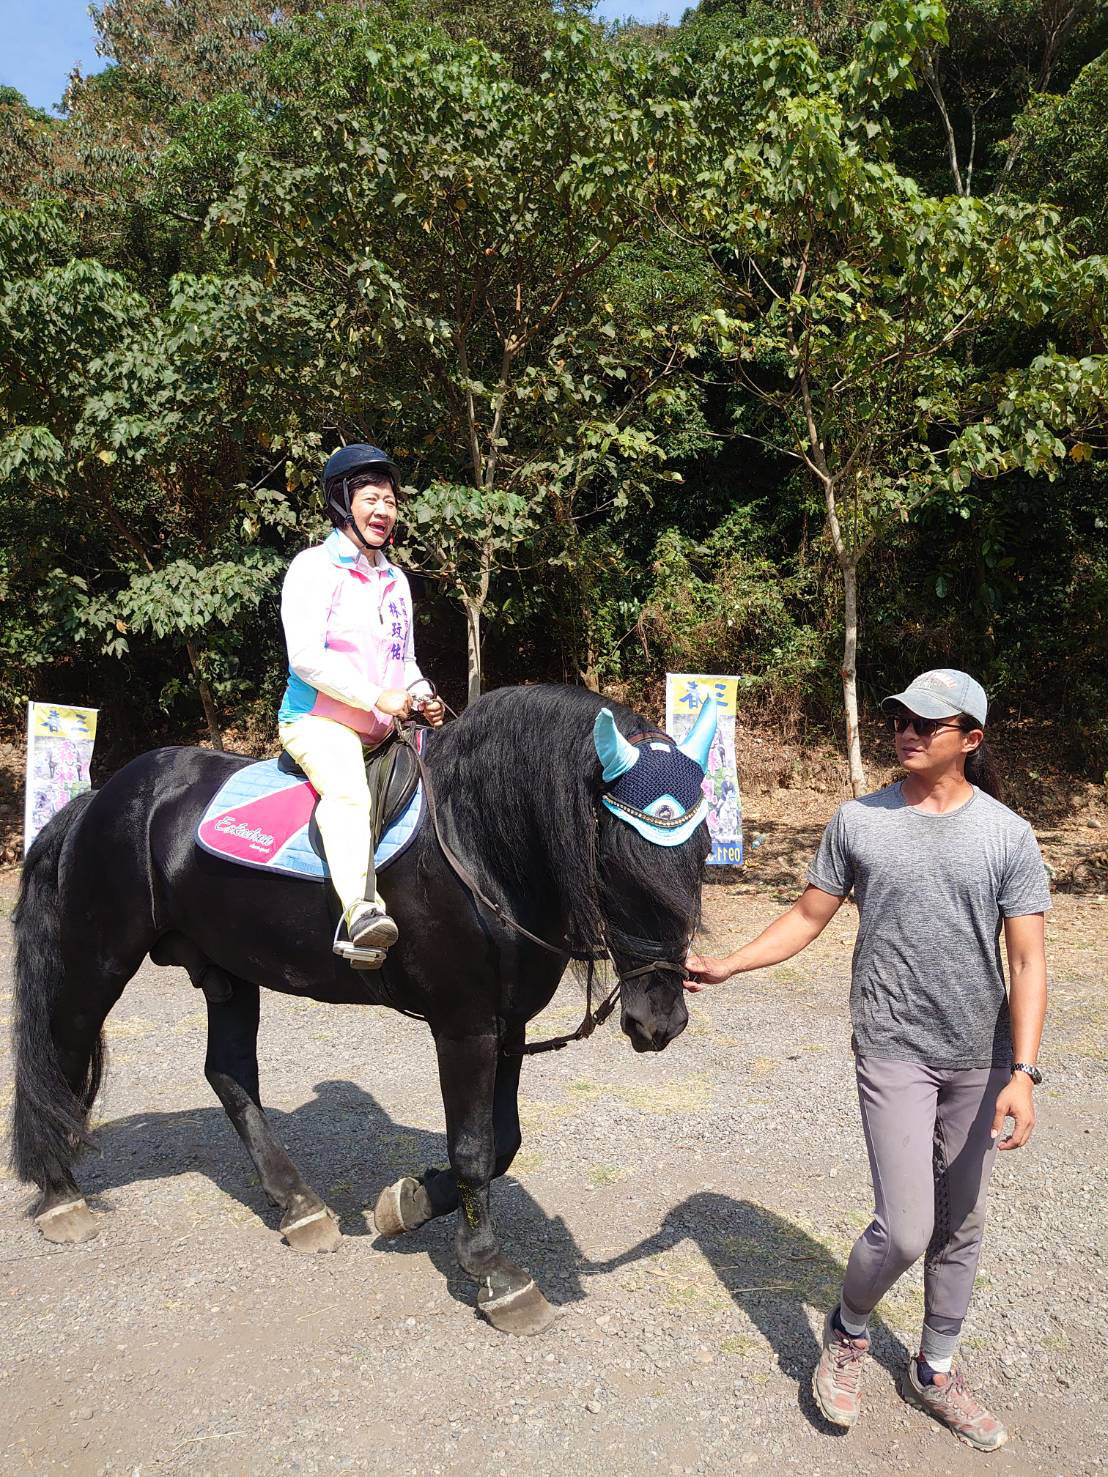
[[685, 692], [59, 759]]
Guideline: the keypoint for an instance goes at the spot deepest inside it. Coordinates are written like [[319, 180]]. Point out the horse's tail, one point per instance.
[[49, 1113]]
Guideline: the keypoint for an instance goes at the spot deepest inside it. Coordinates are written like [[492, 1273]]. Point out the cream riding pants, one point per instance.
[[333, 758]]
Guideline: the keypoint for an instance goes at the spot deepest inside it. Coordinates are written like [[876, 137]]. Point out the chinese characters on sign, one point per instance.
[[59, 754], [684, 695]]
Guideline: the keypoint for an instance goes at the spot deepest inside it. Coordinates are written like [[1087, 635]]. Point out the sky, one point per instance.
[[43, 40]]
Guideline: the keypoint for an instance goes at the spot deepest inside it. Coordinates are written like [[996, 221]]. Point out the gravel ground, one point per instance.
[[689, 1214]]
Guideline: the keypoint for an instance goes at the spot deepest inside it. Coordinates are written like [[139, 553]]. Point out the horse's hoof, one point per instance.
[[69, 1223], [313, 1233], [396, 1211], [523, 1311]]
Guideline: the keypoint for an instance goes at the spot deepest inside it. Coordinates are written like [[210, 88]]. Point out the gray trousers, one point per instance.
[[927, 1131]]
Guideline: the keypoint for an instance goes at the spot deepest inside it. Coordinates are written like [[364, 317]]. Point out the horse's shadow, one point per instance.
[[773, 1271], [349, 1149]]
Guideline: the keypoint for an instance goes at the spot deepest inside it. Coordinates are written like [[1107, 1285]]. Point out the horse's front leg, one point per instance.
[[411, 1203], [508, 1297]]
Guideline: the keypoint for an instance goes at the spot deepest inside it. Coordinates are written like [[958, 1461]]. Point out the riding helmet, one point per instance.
[[342, 467]]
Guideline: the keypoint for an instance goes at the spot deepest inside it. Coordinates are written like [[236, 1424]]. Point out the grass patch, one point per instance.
[[606, 1174], [527, 1161], [668, 1099], [125, 1026], [541, 1113]]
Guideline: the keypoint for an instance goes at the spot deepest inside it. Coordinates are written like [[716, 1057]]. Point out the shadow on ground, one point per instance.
[[774, 1272], [348, 1148], [351, 1148]]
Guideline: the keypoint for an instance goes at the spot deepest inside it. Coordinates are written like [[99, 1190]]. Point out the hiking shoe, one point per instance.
[[837, 1382], [955, 1404], [370, 927]]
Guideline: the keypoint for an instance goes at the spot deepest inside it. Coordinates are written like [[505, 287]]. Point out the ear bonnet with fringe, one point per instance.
[[655, 783]]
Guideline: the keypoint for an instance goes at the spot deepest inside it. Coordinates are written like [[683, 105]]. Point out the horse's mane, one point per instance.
[[520, 775]]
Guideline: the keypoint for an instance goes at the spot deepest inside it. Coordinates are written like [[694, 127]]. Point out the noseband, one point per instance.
[[642, 948]]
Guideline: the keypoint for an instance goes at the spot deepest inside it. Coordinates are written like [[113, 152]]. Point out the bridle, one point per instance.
[[646, 949]]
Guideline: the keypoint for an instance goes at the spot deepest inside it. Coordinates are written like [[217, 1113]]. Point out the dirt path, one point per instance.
[[689, 1213]]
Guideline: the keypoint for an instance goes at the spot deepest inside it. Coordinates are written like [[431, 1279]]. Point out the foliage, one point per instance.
[[1061, 144], [856, 300], [676, 332], [724, 605]]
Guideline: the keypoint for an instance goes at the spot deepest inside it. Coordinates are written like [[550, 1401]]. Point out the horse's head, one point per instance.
[[653, 842]]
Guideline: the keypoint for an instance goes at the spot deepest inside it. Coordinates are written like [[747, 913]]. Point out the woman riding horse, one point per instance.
[[347, 615]]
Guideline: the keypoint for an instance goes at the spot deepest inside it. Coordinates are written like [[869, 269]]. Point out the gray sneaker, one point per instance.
[[837, 1382], [370, 927], [955, 1404]]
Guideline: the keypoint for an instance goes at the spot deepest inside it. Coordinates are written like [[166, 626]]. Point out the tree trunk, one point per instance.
[[849, 567], [473, 609], [205, 697], [474, 605], [847, 558]]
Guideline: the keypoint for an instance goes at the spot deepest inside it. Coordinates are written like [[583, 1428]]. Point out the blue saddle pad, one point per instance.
[[261, 817]]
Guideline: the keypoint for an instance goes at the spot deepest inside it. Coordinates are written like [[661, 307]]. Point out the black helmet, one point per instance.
[[341, 469]]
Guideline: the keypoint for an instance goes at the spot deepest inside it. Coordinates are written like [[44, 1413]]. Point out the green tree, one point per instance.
[[856, 302], [126, 438], [448, 228], [1061, 152]]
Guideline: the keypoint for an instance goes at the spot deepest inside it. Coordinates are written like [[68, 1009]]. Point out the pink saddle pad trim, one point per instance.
[[257, 830]]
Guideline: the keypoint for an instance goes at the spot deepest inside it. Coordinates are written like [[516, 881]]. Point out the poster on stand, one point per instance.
[[685, 692], [59, 758]]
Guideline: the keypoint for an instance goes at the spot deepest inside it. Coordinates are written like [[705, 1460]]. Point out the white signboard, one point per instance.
[[685, 693], [59, 757]]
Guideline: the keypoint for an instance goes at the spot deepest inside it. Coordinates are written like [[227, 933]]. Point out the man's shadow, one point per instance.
[[774, 1272], [349, 1149]]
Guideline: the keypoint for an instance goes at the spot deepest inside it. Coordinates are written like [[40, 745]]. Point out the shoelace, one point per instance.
[[847, 1358], [960, 1395]]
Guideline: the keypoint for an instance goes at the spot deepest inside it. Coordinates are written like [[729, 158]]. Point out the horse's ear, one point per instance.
[[612, 749], [699, 742]]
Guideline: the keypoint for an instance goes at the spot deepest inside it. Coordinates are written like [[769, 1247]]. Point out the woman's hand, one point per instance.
[[396, 702], [434, 710], [705, 970], [1015, 1102]]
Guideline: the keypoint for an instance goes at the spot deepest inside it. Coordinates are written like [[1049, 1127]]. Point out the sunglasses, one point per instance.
[[924, 727]]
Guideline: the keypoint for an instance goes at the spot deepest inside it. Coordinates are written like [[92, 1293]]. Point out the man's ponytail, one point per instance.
[[980, 770]]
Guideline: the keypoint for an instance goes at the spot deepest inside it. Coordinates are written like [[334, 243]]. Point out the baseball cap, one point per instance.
[[943, 693]]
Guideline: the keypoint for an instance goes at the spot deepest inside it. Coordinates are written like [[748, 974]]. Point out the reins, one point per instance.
[[592, 1018]]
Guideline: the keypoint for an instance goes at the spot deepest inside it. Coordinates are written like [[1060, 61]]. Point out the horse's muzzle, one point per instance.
[[651, 1029]]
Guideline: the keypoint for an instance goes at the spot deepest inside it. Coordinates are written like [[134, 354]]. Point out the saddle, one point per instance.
[[263, 815], [392, 775]]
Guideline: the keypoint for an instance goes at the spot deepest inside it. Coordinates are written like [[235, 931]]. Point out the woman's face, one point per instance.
[[373, 508], [940, 745]]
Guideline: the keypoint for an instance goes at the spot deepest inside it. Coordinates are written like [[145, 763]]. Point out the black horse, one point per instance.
[[519, 780]]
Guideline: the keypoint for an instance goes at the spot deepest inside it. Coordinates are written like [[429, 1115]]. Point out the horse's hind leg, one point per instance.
[[231, 1067], [410, 1203], [62, 1214]]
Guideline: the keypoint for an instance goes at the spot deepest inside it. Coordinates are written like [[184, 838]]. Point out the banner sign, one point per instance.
[[59, 757], [684, 695]]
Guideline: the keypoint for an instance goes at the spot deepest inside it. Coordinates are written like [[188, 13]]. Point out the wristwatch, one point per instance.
[[1033, 1072]]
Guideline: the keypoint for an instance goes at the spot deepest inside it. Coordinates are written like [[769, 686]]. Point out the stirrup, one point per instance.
[[355, 957]]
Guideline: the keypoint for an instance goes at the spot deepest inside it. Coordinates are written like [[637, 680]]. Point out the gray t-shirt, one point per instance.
[[927, 983]]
